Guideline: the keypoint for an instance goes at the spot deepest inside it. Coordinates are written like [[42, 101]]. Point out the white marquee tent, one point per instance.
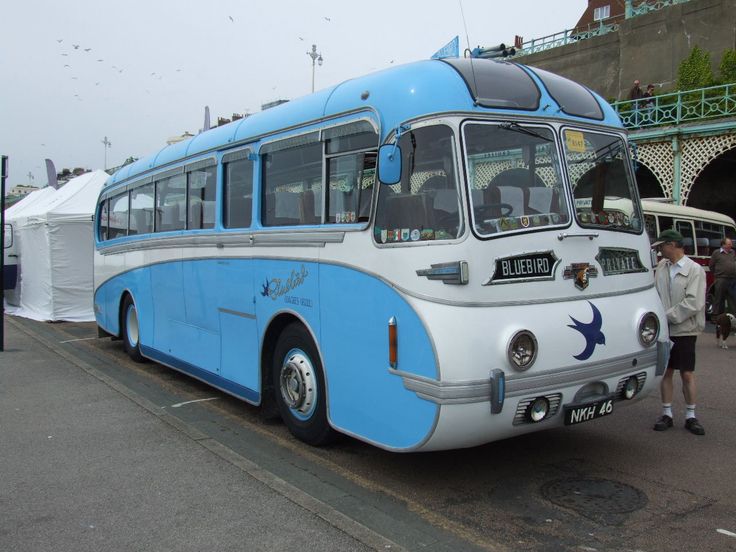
[[55, 235]]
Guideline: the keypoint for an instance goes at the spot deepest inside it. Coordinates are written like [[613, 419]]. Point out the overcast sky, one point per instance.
[[138, 72]]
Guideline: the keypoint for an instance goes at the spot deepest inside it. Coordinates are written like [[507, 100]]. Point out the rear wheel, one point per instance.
[[130, 330], [299, 387]]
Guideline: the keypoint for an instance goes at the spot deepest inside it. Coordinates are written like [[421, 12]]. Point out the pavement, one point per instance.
[[87, 465]]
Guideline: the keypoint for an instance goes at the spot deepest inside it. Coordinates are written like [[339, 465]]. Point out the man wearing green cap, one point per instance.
[[680, 283]]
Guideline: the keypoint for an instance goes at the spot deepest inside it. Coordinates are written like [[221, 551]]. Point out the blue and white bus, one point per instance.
[[400, 258]]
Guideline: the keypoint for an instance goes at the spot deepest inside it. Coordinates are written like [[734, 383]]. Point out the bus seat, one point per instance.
[[284, 209], [170, 217], [715, 243], [435, 182], [308, 208], [141, 226], [407, 211], [541, 200], [703, 245], [208, 214], [445, 201], [195, 215], [507, 195]]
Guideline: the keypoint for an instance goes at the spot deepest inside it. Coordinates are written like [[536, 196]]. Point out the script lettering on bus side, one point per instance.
[[530, 266], [277, 287]]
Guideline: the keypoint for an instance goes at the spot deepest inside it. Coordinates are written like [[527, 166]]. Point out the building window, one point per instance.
[[601, 13]]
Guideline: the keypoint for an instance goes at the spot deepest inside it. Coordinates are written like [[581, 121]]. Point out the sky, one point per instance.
[[74, 72]]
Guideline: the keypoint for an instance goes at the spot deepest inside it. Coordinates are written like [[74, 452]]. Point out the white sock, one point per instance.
[[690, 412], [667, 409]]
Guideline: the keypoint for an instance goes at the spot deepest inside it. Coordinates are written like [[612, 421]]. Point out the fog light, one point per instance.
[[538, 410], [648, 329], [522, 350], [631, 388]]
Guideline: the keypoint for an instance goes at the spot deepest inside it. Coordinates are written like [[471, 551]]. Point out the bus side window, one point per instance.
[[686, 229], [238, 194], [288, 176], [201, 186]]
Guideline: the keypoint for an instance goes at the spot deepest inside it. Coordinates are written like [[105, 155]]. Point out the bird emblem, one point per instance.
[[591, 332]]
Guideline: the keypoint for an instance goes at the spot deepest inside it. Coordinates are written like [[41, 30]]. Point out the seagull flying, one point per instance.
[[76, 46], [88, 49], [59, 40], [327, 19], [231, 18]]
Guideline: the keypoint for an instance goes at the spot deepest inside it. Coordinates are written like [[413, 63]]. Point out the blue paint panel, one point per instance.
[[168, 305], [195, 345], [239, 355], [208, 377], [364, 398], [202, 290], [170, 153]]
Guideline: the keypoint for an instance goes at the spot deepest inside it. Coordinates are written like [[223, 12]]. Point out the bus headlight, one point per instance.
[[648, 329], [522, 350]]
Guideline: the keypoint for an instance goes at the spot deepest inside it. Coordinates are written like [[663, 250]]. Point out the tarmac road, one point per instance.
[[97, 452]]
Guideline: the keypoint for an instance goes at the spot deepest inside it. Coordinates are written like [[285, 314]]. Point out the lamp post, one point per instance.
[[107, 144], [315, 57]]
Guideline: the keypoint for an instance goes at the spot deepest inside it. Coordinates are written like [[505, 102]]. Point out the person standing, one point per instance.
[[723, 266], [680, 283], [635, 95], [648, 98]]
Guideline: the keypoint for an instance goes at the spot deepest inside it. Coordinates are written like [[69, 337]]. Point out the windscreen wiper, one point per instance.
[[516, 127]]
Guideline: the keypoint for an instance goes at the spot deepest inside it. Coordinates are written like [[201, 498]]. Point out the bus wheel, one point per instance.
[[299, 387], [130, 330]]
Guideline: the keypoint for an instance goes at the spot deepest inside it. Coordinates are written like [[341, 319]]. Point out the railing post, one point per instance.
[[629, 12], [677, 164]]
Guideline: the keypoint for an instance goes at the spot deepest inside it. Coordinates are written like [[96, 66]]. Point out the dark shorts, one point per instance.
[[682, 354]]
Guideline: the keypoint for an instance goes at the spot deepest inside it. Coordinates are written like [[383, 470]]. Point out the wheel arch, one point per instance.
[[271, 335]]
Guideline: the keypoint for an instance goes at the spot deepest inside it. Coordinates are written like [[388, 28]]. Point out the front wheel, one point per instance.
[[130, 330], [299, 387]]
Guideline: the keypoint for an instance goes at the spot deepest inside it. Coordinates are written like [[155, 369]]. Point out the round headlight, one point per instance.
[[631, 388], [538, 410], [648, 329], [522, 351]]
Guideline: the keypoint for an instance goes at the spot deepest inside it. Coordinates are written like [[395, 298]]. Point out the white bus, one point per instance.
[[398, 258], [703, 232]]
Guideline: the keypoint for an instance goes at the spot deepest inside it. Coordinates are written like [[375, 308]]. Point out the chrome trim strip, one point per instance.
[[237, 313], [307, 238], [473, 391]]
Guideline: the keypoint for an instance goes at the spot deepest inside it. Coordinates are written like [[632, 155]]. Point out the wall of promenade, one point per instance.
[[648, 47]]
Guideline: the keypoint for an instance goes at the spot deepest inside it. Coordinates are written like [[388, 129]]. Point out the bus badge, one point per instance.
[[580, 272], [525, 222]]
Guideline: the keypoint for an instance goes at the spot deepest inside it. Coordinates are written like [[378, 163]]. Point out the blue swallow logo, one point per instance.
[[591, 332], [266, 291]]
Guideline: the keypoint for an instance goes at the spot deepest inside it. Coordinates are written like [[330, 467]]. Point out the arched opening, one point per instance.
[[714, 188], [647, 182]]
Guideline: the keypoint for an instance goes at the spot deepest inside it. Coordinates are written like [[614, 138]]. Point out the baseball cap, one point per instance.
[[668, 235]]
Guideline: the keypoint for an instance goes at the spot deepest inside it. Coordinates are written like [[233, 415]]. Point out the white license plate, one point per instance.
[[578, 413]]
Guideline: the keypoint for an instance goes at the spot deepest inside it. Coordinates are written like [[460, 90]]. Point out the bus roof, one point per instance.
[[668, 209], [401, 93]]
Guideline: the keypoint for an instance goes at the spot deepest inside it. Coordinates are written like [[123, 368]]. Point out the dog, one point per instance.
[[724, 324]]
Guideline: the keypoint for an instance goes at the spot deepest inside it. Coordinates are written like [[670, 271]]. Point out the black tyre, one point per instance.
[[130, 331], [299, 387]]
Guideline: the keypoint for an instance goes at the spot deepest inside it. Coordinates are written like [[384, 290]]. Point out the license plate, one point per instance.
[[578, 413]]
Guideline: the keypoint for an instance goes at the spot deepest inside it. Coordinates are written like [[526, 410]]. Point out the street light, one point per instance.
[[315, 57], [107, 144]]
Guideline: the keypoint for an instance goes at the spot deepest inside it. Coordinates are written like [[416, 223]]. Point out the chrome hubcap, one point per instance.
[[297, 383], [132, 326]]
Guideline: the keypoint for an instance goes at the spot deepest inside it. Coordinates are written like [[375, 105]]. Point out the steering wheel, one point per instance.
[[489, 209]]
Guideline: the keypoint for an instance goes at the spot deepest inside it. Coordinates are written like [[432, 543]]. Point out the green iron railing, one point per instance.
[[572, 36], [650, 6], [713, 102], [569, 36]]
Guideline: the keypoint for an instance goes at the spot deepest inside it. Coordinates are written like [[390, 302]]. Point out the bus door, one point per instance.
[[685, 227]]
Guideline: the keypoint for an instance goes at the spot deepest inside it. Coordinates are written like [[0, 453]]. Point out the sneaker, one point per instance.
[[665, 422], [693, 426]]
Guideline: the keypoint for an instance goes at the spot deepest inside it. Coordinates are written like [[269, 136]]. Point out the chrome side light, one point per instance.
[[631, 388], [538, 410], [648, 329], [522, 350]]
